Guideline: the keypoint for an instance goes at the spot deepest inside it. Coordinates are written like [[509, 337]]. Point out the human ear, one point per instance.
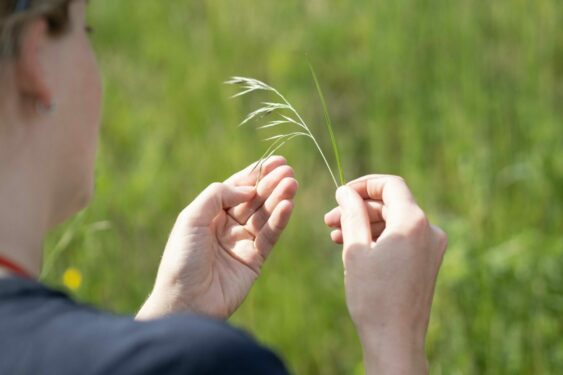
[[30, 66]]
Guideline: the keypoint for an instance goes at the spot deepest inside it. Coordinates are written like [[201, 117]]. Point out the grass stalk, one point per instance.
[[250, 85], [328, 125]]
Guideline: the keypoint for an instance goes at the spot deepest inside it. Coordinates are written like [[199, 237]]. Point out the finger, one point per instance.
[[249, 175], [368, 177], [392, 191], [354, 218], [376, 230], [285, 190], [271, 231], [389, 189], [375, 213], [336, 236], [213, 199], [264, 189]]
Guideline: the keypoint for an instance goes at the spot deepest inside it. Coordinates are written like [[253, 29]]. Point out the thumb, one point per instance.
[[215, 198], [356, 229]]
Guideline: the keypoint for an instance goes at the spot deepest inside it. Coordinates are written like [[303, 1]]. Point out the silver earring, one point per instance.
[[44, 109]]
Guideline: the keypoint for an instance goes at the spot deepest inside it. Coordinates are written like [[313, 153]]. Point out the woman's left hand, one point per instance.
[[220, 242]]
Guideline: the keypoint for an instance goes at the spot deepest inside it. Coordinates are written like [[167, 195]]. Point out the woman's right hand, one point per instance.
[[391, 259]]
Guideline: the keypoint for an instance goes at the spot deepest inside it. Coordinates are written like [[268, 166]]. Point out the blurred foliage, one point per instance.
[[462, 98]]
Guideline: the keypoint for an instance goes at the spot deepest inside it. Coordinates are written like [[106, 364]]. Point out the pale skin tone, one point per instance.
[[391, 259], [221, 240]]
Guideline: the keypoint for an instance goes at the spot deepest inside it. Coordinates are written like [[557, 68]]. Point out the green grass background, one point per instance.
[[462, 98]]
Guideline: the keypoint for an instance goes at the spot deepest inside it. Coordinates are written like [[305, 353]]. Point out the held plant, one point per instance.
[[286, 115]]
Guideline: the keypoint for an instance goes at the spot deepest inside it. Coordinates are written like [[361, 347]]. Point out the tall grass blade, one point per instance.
[[328, 125]]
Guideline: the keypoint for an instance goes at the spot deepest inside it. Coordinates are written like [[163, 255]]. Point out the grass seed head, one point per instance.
[[288, 115]]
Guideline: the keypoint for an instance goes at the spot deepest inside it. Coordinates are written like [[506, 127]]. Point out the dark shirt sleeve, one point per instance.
[[187, 345], [44, 332]]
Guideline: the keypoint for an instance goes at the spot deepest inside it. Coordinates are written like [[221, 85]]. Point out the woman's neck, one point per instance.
[[20, 247], [23, 217]]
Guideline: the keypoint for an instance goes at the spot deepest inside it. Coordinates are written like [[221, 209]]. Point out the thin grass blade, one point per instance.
[[264, 111], [271, 151], [328, 125], [273, 124], [297, 134]]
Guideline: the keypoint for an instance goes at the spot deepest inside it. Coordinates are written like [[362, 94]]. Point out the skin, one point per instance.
[[391, 258], [220, 241], [47, 175], [47, 161]]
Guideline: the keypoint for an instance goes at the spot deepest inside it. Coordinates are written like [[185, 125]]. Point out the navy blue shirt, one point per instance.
[[43, 331]]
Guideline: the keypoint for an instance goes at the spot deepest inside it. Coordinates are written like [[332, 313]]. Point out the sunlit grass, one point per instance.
[[461, 98]]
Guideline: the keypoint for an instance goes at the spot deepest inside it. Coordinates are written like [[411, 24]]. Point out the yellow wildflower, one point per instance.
[[72, 278]]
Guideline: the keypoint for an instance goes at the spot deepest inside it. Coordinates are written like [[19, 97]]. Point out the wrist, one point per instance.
[[160, 304], [393, 352], [152, 309]]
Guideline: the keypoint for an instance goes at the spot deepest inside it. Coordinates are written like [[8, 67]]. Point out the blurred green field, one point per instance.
[[462, 98]]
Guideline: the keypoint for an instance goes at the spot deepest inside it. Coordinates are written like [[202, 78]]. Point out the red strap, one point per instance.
[[14, 268]]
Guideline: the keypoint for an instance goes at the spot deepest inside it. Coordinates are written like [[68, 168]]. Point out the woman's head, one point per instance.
[[50, 96], [14, 14]]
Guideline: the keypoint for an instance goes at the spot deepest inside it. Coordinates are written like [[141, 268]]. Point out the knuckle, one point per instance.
[[289, 182], [399, 182], [419, 221], [398, 179], [215, 187], [287, 171], [416, 227], [185, 215], [274, 158]]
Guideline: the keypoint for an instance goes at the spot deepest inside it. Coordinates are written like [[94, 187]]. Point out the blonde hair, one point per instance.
[[12, 22]]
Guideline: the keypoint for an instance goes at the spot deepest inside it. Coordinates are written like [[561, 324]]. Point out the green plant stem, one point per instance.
[[328, 125], [312, 137]]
